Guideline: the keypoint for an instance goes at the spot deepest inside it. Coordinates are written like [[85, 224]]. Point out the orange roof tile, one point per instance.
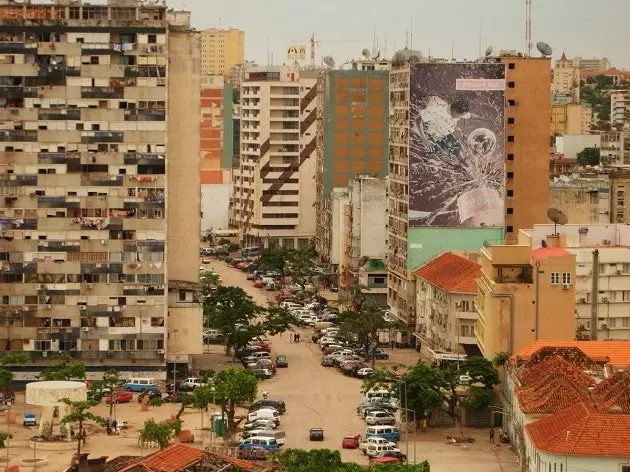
[[615, 353], [248, 466], [554, 367], [550, 396], [580, 431], [613, 394], [173, 458], [451, 272]]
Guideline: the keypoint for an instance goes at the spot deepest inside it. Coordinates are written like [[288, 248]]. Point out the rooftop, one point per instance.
[[581, 431], [550, 395], [547, 252], [615, 353], [173, 458], [550, 368], [451, 273], [612, 395]]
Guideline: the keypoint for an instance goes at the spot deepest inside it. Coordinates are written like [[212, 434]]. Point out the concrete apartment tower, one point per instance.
[[352, 139], [452, 125], [99, 171], [274, 185], [221, 50]]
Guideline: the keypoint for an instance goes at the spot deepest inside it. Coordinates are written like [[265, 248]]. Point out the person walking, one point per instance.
[[298, 338], [492, 436]]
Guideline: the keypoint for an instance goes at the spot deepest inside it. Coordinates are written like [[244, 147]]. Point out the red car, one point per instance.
[[259, 283], [119, 397], [351, 442]]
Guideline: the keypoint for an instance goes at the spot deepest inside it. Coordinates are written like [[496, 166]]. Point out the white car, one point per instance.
[[365, 372], [290, 305], [380, 418], [374, 449], [375, 440]]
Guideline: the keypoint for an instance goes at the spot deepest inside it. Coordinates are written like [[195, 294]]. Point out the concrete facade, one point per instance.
[[570, 118], [613, 307], [615, 147], [620, 108], [524, 295], [584, 201], [274, 188], [571, 145], [352, 136], [221, 50], [88, 182]]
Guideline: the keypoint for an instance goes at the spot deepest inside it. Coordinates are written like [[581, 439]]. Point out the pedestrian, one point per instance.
[[492, 436], [83, 436], [291, 338], [298, 338]]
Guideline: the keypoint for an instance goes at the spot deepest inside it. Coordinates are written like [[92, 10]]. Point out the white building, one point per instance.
[[612, 241], [620, 108], [445, 306], [339, 201], [571, 144], [274, 186]]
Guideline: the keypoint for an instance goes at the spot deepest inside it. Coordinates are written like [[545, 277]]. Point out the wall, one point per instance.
[[570, 145], [215, 203], [338, 202], [581, 205], [604, 235], [426, 243], [371, 196]]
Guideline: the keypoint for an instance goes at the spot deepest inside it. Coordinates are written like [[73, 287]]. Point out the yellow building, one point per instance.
[[524, 296], [221, 50], [570, 118], [565, 80]]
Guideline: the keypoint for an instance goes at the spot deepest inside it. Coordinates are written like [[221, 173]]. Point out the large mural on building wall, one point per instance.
[[457, 124]]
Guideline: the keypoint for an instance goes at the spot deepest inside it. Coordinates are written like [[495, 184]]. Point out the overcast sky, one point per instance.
[[589, 28]]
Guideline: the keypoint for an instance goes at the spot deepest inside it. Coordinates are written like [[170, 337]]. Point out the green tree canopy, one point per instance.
[[80, 415], [65, 368], [12, 358], [589, 156], [232, 386], [365, 324]]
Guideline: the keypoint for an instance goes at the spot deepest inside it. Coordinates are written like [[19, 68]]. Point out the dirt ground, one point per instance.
[[315, 397]]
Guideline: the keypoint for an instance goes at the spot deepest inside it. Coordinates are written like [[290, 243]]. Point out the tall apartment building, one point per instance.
[[99, 108], [615, 146], [620, 108], [565, 82], [352, 137], [274, 185], [440, 138], [221, 50], [217, 151]]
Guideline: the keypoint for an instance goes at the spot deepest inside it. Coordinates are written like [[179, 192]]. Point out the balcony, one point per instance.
[[145, 115], [102, 92], [18, 48]]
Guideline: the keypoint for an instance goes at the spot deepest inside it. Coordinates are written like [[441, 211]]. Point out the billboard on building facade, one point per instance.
[[457, 133]]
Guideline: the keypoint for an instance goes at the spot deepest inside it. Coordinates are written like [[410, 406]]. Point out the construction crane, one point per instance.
[[315, 42], [528, 26]]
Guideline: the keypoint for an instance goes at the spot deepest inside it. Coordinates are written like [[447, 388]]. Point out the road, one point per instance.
[[321, 397], [315, 396]]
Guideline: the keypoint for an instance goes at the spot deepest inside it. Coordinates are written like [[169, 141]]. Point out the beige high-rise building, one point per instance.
[[221, 50], [100, 153], [274, 185], [570, 118], [565, 83]]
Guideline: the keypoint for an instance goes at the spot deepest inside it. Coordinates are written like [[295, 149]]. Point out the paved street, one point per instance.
[[321, 397]]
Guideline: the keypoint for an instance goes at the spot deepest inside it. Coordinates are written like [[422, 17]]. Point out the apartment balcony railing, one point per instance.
[[102, 92]]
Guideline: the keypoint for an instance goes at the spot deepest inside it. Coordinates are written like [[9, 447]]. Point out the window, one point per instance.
[[510, 139], [566, 277], [511, 120], [509, 229], [511, 84], [510, 193], [510, 211], [625, 322], [512, 103], [612, 322], [555, 278], [510, 157], [182, 296], [152, 39], [42, 345], [511, 66], [510, 175], [157, 321]]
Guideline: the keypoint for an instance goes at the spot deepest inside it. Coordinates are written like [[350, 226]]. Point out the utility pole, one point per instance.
[[594, 295], [528, 27]]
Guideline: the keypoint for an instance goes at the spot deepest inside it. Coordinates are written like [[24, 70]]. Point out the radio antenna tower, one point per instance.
[[528, 26]]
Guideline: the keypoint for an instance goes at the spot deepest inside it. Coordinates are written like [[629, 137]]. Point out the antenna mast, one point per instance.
[[528, 26], [313, 45]]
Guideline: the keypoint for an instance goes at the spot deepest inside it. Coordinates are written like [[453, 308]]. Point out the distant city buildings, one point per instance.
[[570, 118], [221, 50], [565, 83], [620, 109]]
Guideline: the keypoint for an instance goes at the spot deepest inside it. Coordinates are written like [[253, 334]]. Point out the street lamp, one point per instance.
[[407, 410], [8, 429]]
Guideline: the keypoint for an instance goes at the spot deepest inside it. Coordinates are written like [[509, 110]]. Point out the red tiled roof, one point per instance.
[[451, 272], [615, 353], [613, 394], [173, 458], [580, 431], [550, 396], [248, 466], [554, 367], [547, 252], [609, 72]]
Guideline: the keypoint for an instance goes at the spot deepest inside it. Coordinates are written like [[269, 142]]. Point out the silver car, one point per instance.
[[380, 418]]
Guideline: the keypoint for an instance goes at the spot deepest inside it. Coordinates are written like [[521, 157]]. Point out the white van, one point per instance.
[[375, 440], [373, 449], [138, 384], [260, 355], [280, 436], [265, 413], [378, 395]]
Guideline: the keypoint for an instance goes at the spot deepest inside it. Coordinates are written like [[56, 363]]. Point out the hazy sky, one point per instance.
[[581, 27]]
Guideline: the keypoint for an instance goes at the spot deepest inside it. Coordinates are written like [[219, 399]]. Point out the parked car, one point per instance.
[[376, 353], [122, 396], [327, 361], [258, 283], [282, 361], [316, 434], [262, 373], [212, 336], [365, 372], [205, 260], [395, 453], [191, 383], [350, 442], [380, 418], [260, 424], [373, 450], [375, 440], [277, 405]]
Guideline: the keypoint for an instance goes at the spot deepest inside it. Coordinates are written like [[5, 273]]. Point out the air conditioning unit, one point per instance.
[[566, 286], [85, 330], [117, 308], [48, 306], [89, 285], [160, 351], [104, 242], [82, 307], [39, 287], [582, 300], [604, 326], [604, 299]]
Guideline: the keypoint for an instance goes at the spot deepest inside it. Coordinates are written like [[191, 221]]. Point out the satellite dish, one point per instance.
[[558, 217], [366, 53], [329, 61], [544, 49], [488, 51]]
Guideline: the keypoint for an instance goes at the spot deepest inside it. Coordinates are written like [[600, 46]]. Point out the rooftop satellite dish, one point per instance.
[[488, 51], [329, 61], [558, 217], [366, 53], [544, 49]]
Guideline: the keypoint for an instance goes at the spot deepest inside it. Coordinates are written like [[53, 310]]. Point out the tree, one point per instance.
[[589, 156], [80, 415], [13, 358], [232, 386], [277, 320], [112, 380], [326, 460], [65, 369], [500, 359], [230, 309], [208, 283], [159, 433], [302, 263], [273, 259]]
